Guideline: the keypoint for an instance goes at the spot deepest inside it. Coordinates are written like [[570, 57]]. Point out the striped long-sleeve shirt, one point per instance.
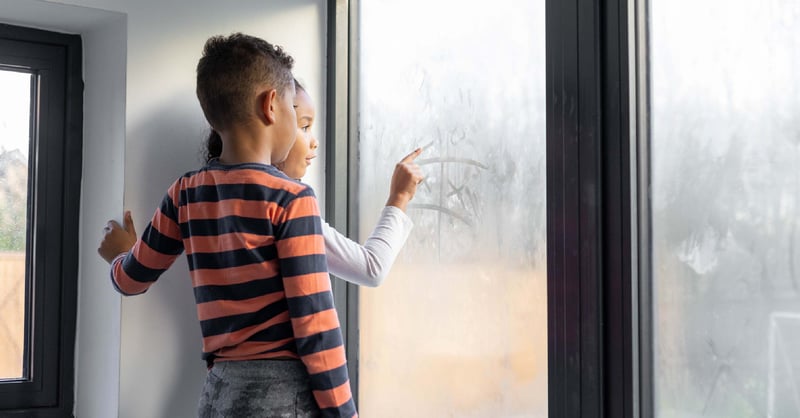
[[253, 240]]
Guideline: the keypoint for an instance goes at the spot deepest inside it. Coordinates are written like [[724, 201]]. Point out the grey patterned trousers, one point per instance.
[[257, 389]]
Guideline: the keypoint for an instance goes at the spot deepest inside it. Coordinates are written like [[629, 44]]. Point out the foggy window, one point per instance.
[[726, 207], [459, 328]]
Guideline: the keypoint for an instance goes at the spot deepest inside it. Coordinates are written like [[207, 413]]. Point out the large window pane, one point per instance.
[[14, 143], [726, 207], [459, 328]]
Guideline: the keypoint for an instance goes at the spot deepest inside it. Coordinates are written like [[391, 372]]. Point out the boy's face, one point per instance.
[[285, 124]]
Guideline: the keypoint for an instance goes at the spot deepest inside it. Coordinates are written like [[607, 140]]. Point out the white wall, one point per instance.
[[155, 337], [97, 352], [97, 345]]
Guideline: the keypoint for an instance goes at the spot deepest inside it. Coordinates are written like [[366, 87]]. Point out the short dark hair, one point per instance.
[[230, 70], [213, 145]]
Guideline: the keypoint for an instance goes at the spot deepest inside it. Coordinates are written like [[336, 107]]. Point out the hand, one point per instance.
[[117, 239], [407, 175]]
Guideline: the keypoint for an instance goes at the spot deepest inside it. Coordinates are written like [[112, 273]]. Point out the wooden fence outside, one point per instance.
[[12, 313]]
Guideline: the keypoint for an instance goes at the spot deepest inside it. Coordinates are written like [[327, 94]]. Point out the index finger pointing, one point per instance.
[[410, 157]]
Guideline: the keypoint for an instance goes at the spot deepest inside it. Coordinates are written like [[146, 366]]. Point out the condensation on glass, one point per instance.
[[726, 207], [15, 97], [459, 327]]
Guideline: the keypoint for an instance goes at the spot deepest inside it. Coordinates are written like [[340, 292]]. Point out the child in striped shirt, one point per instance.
[[253, 239]]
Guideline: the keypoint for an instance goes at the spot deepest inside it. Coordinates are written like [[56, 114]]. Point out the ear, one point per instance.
[[268, 105]]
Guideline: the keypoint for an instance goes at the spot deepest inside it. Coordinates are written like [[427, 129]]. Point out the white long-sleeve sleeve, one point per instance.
[[368, 264]]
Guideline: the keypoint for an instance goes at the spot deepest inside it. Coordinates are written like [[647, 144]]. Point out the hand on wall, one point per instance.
[[117, 238]]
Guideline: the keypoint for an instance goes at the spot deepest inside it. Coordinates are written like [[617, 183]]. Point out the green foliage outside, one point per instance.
[[13, 200]]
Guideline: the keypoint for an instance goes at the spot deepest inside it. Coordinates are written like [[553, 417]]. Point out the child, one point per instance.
[[367, 264], [253, 240]]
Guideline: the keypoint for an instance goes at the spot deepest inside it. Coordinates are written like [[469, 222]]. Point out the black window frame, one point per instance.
[[598, 311], [599, 354], [341, 159], [54, 189]]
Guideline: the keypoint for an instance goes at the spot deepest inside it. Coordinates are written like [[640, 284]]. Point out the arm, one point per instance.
[[135, 268], [368, 264], [315, 323]]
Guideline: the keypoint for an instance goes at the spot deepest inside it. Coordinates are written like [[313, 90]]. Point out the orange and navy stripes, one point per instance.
[[253, 241]]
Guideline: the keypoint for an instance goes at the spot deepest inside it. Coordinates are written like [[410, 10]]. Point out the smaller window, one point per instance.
[[40, 168], [15, 123]]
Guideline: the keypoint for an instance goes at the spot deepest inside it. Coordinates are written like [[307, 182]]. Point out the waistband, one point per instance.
[[261, 369]]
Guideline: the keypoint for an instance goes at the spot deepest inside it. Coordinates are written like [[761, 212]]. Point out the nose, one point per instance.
[[314, 144]]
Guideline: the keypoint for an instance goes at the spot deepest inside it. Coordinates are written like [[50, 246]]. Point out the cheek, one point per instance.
[[302, 143], [299, 149]]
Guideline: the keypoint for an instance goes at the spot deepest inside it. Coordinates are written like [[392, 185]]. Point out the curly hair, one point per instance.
[[231, 69]]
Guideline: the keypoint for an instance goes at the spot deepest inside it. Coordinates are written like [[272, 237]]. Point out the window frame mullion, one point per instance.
[[593, 332], [341, 145]]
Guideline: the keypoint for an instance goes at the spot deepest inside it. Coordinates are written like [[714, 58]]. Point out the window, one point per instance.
[[480, 112], [460, 326], [725, 205], [40, 166], [15, 109], [672, 197]]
